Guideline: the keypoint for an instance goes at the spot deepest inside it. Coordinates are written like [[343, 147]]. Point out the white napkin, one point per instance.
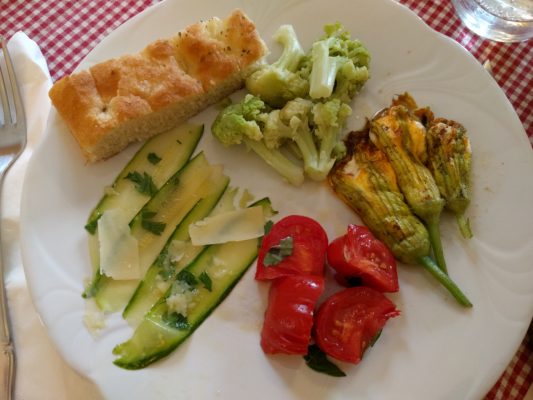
[[41, 372]]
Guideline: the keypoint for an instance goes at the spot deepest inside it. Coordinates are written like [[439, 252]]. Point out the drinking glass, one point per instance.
[[499, 20]]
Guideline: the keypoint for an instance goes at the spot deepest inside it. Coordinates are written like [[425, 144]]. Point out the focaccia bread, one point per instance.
[[133, 97]]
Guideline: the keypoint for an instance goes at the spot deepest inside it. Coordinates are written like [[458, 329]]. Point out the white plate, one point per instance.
[[435, 350]]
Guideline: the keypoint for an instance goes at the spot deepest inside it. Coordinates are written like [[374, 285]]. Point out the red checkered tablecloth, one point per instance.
[[66, 30]]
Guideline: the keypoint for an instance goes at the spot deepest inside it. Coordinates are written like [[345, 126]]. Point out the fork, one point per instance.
[[12, 143]]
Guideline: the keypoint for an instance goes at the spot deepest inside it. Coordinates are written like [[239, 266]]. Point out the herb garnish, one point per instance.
[[143, 183], [268, 226], [155, 227], [317, 360], [206, 280], [278, 252], [177, 321], [187, 277], [167, 267], [153, 158], [91, 226]]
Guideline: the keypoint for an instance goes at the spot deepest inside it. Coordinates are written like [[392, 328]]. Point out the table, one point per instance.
[[66, 30]]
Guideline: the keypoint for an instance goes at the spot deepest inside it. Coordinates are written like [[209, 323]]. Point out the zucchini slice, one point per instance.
[[204, 284], [153, 225], [159, 158], [157, 278]]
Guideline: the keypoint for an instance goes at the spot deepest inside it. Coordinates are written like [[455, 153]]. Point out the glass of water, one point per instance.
[[499, 20]]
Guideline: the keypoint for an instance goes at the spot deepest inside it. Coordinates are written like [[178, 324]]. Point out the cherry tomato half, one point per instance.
[[358, 254], [348, 321], [308, 255], [289, 315]]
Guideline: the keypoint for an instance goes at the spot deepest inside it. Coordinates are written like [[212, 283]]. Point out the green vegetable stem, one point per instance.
[[281, 81], [394, 131], [339, 65], [298, 104], [366, 181], [450, 162]]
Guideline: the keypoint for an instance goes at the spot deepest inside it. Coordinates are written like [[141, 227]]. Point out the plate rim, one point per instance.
[[144, 14]]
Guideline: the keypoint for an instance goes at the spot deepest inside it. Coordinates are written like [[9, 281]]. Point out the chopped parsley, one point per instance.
[[147, 223], [91, 226], [177, 321], [187, 277], [206, 280], [147, 214], [167, 267], [153, 158], [317, 360], [143, 182], [278, 252]]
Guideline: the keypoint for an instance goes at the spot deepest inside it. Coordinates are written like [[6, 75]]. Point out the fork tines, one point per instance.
[[12, 109]]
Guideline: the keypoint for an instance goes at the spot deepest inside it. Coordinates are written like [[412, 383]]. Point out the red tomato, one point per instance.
[[358, 254], [289, 315], [348, 321], [310, 242]]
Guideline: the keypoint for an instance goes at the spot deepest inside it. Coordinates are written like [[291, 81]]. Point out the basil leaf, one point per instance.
[[206, 280], [277, 253], [268, 226], [153, 158], [143, 183], [317, 360]]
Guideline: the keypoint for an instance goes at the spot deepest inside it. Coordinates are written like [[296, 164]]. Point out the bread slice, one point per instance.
[[134, 97]]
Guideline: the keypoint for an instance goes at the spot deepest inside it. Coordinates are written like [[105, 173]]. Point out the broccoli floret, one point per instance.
[[276, 131], [339, 65], [309, 94], [297, 114], [244, 122], [281, 81], [240, 120], [313, 128], [328, 120]]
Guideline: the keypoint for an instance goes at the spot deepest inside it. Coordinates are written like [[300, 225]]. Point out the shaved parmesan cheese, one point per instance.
[[245, 198], [232, 226], [93, 318], [119, 252], [176, 250], [181, 299], [161, 285], [217, 268]]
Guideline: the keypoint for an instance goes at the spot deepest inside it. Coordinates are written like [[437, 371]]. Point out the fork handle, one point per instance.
[[7, 352], [7, 367]]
